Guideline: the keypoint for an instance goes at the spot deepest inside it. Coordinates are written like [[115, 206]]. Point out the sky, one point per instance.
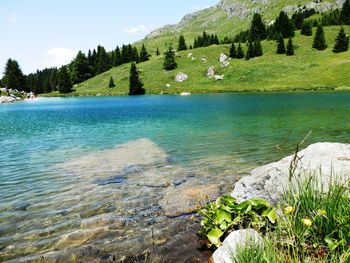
[[48, 33]]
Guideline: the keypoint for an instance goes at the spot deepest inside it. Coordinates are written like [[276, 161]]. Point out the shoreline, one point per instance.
[[244, 91]]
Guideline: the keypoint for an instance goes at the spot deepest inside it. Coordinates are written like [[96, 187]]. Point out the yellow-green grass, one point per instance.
[[309, 69]]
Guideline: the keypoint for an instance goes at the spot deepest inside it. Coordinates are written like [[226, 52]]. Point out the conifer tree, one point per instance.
[[64, 83], [111, 83], [182, 43], [80, 68], [13, 76], [257, 28], [118, 57], [250, 51], [306, 29], [284, 25], [290, 48], [144, 56], [341, 42], [345, 13], [169, 60], [157, 52], [281, 48], [102, 60], [233, 52], [135, 83], [258, 51], [319, 40], [240, 53], [135, 55]]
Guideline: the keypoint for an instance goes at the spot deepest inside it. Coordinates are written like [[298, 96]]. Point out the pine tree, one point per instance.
[[319, 40], [341, 42], [144, 55], [233, 52], [135, 55], [345, 13], [157, 52], [135, 83], [306, 29], [169, 60], [290, 48], [13, 76], [240, 53], [281, 48], [111, 83], [284, 25], [257, 28], [258, 51], [64, 83], [80, 68], [182, 43], [102, 60], [251, 51], [118, 57]]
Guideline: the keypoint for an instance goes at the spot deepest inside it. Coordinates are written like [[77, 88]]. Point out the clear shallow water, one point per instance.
[[90, 171]]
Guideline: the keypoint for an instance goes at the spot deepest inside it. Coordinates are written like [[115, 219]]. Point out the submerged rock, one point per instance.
[[181, 201], [324, 160]]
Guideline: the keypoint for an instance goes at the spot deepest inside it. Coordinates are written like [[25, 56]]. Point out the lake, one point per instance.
[[81, 178]]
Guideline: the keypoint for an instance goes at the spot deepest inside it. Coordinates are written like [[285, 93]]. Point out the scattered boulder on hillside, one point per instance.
[[204, 60], [225, 64], [168, 85], [190, 55], [181, 201], [237, 239], [324, 160], [211, 72], [223, 57], [181, 77], [219, 77]]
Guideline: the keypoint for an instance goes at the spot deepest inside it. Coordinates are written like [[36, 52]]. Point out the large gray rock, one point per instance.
[[239, 238], [7, 99], [181, 77], [181, 201], [223, 57], [211, 72], [324, 160]]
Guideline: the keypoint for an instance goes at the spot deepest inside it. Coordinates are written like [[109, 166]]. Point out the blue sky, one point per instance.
[[45, 33]]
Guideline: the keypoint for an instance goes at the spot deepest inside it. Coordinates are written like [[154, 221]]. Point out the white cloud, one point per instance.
[[13, 18], [139, 28], [59, 56]]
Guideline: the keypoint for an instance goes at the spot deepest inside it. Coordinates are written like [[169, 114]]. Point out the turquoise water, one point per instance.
[[50, 177]]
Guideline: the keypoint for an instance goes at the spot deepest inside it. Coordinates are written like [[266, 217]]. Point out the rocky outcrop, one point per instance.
[[324, 160], [239, 238], [234, 9], [181, 201], [9, 99]]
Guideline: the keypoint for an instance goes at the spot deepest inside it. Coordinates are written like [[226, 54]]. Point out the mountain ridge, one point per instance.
[[236, 12]]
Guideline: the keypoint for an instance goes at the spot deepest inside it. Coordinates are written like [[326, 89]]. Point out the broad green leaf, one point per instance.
[[224, 226], [221, 216], [271, 215], [259, 203], [214, 236], [331, 243], [228, 199]]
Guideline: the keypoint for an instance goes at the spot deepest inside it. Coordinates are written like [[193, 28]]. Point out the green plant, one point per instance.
[[320, 224], [225, 214], [255, 253]]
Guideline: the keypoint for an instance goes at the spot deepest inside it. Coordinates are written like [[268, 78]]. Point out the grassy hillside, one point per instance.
[[308, 69], [219, 20]]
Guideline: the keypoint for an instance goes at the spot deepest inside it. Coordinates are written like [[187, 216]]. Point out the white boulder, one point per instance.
[[225, 64], [322, 160], [237, 239], [211, 72], [181, 77], [219, 77], [223, 57]]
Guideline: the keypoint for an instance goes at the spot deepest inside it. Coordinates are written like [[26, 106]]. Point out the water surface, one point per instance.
[[88, 173]]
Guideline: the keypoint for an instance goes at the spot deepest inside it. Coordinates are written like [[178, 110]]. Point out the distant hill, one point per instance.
[[229, 17]]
